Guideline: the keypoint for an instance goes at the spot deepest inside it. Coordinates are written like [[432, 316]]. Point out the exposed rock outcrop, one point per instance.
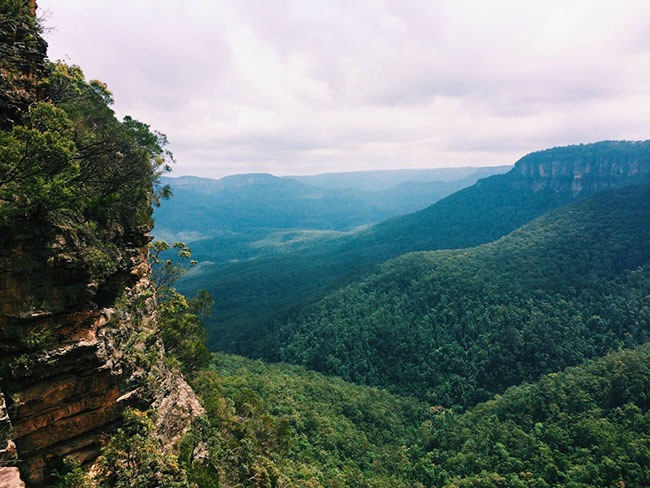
[[78, 344], [585, 169]]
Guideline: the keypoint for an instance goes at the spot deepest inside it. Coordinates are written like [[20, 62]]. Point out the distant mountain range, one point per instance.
[[203, 207], [254, 291], [379, 180]]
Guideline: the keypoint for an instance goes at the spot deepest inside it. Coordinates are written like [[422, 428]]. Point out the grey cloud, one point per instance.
[[293, 86]]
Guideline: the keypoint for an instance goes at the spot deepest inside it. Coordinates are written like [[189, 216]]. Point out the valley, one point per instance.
[[456, 327], [486, 328], [253, 292]]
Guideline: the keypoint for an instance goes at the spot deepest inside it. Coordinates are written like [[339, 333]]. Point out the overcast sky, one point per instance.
[[311, 86]]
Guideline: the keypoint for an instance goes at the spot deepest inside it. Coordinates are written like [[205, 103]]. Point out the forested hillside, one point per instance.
[[253, 291], [583, 427], [282, 425], [456, 327]]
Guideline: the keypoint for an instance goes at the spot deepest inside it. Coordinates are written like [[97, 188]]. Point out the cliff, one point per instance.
[[79, 338], [584, 169], [78, 343]]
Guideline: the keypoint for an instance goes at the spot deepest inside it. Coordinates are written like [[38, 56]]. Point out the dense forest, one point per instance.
[[283, 425], [521, 362], [586, 426], [271, 425], [456, 327], [255, 291]]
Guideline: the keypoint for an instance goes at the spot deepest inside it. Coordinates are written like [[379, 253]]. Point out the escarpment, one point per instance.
[[79, 339], [584, 169], [78, 344]]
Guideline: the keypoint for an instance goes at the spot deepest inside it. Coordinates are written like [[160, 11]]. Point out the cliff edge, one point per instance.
[[77, 349]]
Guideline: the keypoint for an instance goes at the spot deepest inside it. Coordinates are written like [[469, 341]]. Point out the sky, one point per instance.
[[313, 86]]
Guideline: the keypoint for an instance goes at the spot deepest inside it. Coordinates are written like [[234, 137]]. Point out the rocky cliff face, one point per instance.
[[585, 169], [77, 331]]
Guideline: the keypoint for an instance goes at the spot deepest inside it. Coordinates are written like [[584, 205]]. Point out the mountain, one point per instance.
[[458, 326], [539, 182], [380, 180], [257, 288], [226, 208], [205, 207]]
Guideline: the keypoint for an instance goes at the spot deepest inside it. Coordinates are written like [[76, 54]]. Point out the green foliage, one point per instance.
[[72, 475], [36, 162], [253, 292], [35, 339], [179, 318], [134, 457], [168, 268], [70, 157], [587, 426], [22, 52], [455, 327], [281, 425]]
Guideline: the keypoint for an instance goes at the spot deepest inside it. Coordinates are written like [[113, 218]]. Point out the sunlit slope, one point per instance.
[[458, 326]]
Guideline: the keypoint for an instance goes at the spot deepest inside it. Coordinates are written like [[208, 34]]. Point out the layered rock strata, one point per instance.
[[78, 344], [586, 169]]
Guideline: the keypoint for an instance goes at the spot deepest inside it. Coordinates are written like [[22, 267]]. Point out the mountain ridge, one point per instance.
[[204, 207], [380, 180], [491, 316], [484, 212]]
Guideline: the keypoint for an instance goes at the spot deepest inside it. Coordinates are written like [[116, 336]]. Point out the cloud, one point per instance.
[[298, 86]]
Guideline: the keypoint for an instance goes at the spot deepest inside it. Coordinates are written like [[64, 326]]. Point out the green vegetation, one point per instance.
[[455, 327], [64, 157], [69, 160], [587, 426], [179, 318], [315, 431], [134, 457], [265, 425], [254, 292], [271, 425]]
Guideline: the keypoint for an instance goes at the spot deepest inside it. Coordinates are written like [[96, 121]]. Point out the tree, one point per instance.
[[183, 332], [134, 457]]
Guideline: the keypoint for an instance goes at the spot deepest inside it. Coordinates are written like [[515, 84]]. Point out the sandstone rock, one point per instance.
[[10, 478], [71, 357]]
